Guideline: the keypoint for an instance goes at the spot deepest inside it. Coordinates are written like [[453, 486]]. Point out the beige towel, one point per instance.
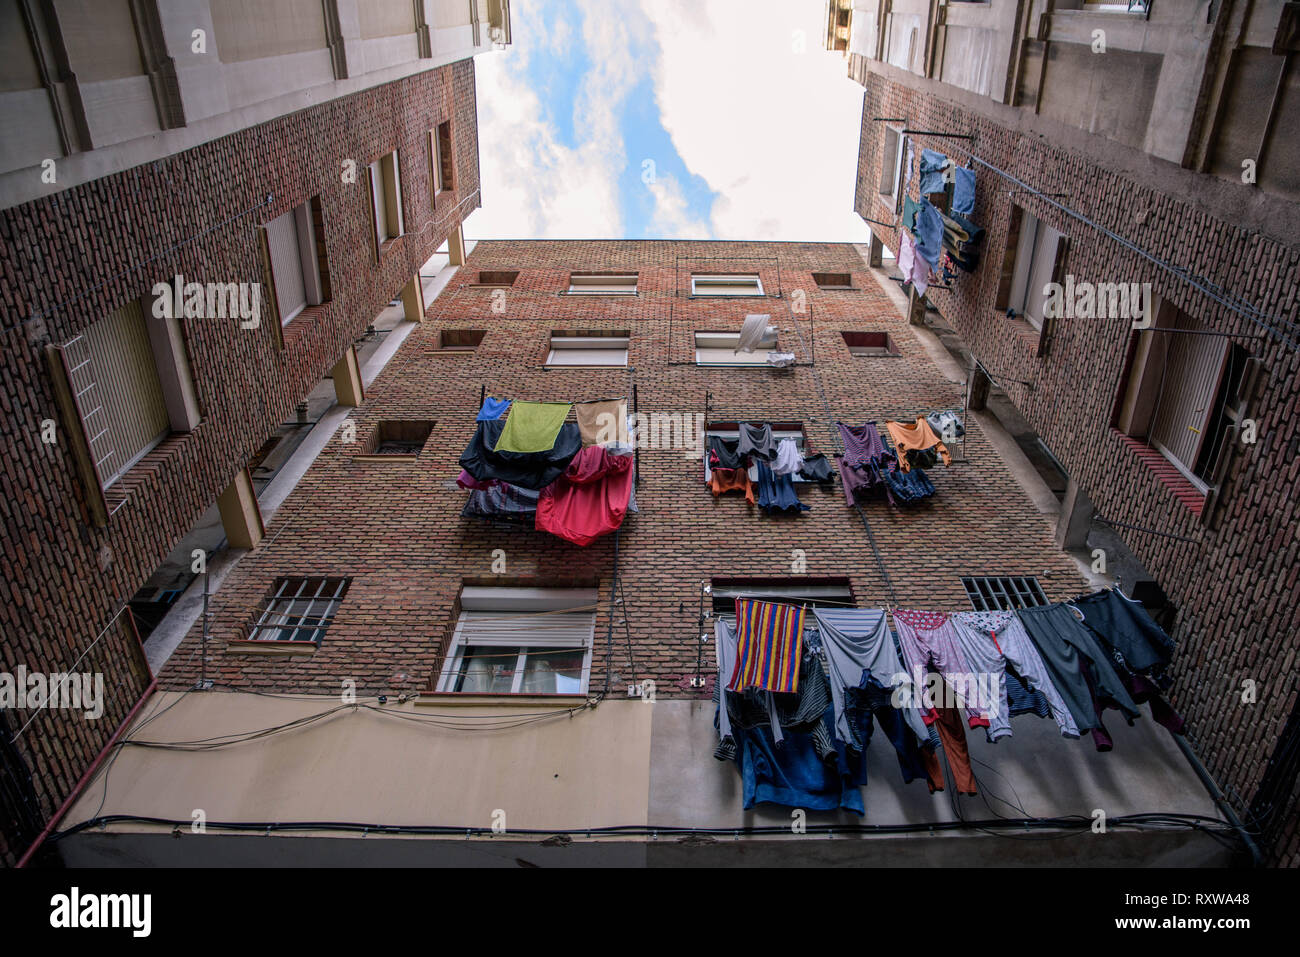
[[602, 423]]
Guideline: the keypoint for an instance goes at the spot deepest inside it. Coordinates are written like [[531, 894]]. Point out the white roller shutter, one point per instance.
[[286, 264]]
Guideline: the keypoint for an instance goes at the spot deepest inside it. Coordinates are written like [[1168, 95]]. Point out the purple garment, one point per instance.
[[865, 463]]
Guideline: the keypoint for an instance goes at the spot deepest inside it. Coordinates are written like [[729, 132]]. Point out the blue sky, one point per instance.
[[667, 119]]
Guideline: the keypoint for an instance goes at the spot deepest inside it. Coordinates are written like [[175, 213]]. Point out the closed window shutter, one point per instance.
[[1193, 369], [378, 222], [564, 629], [125, 413], [286, 265]]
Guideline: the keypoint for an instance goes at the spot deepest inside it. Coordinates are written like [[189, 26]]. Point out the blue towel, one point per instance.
[[963, 191], [932, 166], [493, 409], [929, 233]]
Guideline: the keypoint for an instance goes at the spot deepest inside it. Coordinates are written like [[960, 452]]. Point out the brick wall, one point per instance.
[[397, 529], [76, 256], [1235, 583]]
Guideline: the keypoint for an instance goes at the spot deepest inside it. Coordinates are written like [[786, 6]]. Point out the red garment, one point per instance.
[[589, 499]]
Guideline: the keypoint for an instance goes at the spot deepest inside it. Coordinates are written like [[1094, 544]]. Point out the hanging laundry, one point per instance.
[[928, 638], [532, 470], [467, 481], [501, 500], [492, 409], [865, 465], [1139, 649], [933, 165], [952, 737], [776, 492], [602, 423], [753, 332], [788, 461], [817, 468], [918, 437], [908, 488], [994, 640], [532, 426], [946, 424], [929, 233], [1020, 700], [590, 499], [1079, 668], [780, 360], [857, 640], [731, 480], [723, 454], [724, 646], [790, 756], [770, 645], [756, 439], [911, 209], [913, 267], [963, 190], [907, 170]]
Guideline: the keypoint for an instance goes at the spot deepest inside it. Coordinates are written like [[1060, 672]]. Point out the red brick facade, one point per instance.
[[1235, 583], [397, 528], [76, 256]]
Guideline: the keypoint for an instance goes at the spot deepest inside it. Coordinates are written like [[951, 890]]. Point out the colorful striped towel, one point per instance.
[[769, 646]]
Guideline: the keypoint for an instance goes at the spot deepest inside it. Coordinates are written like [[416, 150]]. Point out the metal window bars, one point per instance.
[[285, 619], [1004, 593]]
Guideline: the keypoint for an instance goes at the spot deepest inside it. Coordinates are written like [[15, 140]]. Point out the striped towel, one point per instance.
[[769, 646]]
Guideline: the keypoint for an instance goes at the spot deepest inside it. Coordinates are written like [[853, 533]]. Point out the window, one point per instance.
[[521, 641], [386, 198], [831, 593], [124, 385], [299, 610], [460, 340], [833, 280], [1185, 394], [730, 431], [496, 277], [401, 438], [717, 284], [869, 343], [1038, 250], [441, 158], [295, 270], [891, 168], [600, 284], [591, 348], [719, 349], [1004, 593]]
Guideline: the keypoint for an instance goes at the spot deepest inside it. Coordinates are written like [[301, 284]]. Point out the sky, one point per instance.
[[667, 119]]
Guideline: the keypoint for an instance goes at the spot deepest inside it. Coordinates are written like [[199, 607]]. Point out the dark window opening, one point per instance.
[[833, 280], [497, 277], [870, 344], [460, 340], [401, 438]]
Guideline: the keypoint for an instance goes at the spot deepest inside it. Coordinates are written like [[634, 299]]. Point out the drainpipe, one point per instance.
[[1256, 856]]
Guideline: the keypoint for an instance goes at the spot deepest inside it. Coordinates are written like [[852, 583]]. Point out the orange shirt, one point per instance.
[[727, 480], [918, 437]]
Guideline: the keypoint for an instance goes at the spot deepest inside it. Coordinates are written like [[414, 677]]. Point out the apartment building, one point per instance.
[[206, 204], [347, 702], [1144, 145]]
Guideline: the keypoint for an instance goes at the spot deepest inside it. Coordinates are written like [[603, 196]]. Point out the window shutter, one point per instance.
[[286, 263], [268, 287], [1058, 276], [376, 209], [1003, 301], [566, 629]]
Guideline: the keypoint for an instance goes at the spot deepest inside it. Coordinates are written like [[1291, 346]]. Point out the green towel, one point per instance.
[[532, 426]]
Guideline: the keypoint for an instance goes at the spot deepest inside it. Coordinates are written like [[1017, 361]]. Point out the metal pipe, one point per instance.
[[1256, 856]]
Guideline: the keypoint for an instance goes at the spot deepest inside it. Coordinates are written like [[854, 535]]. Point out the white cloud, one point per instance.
[[672, 217], [535, 185], [773, 133], [772, 130]]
